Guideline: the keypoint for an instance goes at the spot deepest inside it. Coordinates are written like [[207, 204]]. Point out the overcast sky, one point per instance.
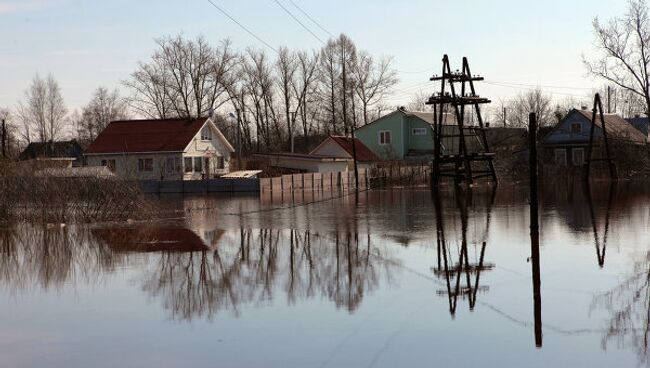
[[91, 43]]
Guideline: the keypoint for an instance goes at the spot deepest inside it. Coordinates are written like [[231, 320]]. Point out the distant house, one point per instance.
[[334, 154], [408, 135], [67, 150], [641, 123], [169, 149], [566, 144]]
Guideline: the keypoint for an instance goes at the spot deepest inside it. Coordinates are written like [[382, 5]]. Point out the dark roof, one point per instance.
[[56, 149], [641, 123], [151, 239], [364, 154], [617, 127], [168, 135]]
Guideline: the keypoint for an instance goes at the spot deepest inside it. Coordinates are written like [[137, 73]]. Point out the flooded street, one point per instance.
[[373, 281]]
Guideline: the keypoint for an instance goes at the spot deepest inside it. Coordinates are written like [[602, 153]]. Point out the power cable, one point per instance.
[[243, 27], [312, 19], [299, 22]]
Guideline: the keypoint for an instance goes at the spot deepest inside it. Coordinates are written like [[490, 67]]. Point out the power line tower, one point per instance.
[[459, 145], [597, 115]]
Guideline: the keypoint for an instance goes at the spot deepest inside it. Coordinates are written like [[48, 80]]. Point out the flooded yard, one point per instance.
[[378, 280]]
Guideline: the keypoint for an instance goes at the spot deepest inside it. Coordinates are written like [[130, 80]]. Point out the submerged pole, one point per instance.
[[534, 228]]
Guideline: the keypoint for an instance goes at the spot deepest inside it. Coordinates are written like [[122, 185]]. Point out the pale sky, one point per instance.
[[86, 44]]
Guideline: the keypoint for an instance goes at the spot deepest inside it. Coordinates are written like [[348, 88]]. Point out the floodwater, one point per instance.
[[373, 281]]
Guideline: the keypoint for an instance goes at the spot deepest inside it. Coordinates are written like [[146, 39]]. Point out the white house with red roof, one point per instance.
[[168, 149]]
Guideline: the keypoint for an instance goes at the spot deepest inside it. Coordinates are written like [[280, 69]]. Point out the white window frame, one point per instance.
[[143, 164], [198, 168], [419, 131], [206, 133], [562, 162], [188, 168], [382, 137], [573, 156]]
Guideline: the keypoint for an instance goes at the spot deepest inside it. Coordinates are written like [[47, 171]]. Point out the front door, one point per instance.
[[206, 165]]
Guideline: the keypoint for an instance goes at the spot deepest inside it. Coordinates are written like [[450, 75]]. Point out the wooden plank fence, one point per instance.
[[398, 174]]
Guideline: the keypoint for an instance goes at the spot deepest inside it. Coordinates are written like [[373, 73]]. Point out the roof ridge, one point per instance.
[[158, 120]]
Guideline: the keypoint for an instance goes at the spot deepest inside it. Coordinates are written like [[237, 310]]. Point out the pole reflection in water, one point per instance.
[[600, 246], [455, 273]]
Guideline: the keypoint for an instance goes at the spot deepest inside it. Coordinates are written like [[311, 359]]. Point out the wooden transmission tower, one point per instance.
[[454, 153]]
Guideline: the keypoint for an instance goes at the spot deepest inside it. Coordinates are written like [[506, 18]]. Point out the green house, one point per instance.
[[404, 135]]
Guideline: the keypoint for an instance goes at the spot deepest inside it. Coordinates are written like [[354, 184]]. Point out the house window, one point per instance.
[[220, 163], [170, 166], [188, 164], [560, 156], [110, 164], [145, 164], [419, 131], [177, 164], [198, 164], [578, 156], [206, 133], [384, 137], [576, 128]]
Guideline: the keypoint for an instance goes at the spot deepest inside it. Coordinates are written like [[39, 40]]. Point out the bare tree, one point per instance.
[[43, 113], [305, 87], [518, 109], [105, 106], [624, 46], [373, 81], [184, 78]]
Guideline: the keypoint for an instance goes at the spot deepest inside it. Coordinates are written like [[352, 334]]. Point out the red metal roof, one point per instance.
[[168, 135], [363, 152]]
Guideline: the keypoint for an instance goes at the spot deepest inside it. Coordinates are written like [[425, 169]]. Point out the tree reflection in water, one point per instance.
[[253, 267], [194, 277], [629, 305], [51, 257]]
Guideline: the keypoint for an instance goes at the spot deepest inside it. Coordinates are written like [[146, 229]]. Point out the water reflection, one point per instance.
[[455, 273], [368, 266], [49, 258], [200, 275]]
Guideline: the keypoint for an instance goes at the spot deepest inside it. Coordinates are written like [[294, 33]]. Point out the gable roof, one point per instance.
[[130, 136], [617, 127], [364, 154], [51, 149], [425, 116]]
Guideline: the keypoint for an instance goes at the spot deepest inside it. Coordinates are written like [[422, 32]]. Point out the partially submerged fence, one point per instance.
[[249, 185], [397, 174]]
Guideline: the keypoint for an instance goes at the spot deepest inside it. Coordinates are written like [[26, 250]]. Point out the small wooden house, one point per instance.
[[567, 143]]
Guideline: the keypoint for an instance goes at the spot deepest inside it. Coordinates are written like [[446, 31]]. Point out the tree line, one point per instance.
[[272, 96]]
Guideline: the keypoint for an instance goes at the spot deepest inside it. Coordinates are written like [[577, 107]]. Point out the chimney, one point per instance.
[[637, 115]]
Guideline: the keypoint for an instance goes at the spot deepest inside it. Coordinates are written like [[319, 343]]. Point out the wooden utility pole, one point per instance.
[[534, 228], [504, 117], [609, 98], [4, 139]]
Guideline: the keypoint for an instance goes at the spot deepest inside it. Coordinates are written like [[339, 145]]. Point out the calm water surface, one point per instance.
[[375, 282]]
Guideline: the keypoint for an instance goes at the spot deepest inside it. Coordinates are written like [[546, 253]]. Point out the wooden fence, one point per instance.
[[395, 174]]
